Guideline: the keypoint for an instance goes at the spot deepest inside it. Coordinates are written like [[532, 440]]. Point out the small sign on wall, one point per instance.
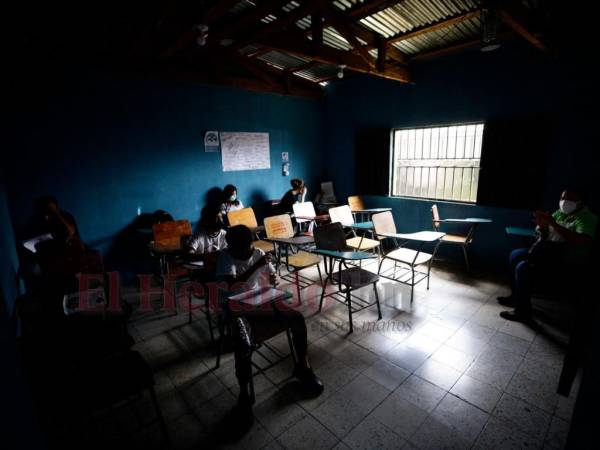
[[211, 141]]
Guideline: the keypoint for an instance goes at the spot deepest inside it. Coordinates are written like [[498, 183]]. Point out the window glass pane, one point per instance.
[[437, 162]]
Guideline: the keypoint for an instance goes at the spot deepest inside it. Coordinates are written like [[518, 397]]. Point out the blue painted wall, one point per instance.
[[106, 147], [475, 86], [8, 256]]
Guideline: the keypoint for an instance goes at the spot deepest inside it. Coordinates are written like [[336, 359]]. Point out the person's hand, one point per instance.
[[273, 279], [543, 219], [268, 258]]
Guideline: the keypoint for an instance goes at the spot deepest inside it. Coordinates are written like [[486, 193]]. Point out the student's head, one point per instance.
[[45, 204], [572, 199], [230, 193], [297, 184], [239, 241], [210, 220]]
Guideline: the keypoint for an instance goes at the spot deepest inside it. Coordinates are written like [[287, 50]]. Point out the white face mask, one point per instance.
[[232, 198], [567, 206]]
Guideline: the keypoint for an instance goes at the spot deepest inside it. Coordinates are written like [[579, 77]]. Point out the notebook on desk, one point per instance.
[[260, 296]]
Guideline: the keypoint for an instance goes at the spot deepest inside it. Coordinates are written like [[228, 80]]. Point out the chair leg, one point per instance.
[[209, 320], [464, 247], [159, 415], [190, 305], [323, 293], [296, 276], [292, 348], [349, 300], [377, 300], [221, 343], [319, 272], [412, 286]]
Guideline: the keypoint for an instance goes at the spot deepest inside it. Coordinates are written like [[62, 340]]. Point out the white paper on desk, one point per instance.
[[31, 243], [257, 297], [196, 263]]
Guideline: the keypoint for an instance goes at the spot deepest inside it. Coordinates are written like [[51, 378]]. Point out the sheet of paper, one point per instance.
[[31, 243], [257, 297], [245, 151]]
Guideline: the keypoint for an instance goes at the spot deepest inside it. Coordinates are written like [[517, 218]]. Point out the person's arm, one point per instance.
[[70, 227], [304, 191], [546, 220], [195, 244], [258, 265]]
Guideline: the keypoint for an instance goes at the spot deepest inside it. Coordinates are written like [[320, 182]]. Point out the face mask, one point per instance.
[[232, 198], [567, 206]]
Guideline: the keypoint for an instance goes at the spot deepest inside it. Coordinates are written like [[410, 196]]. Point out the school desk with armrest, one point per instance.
[[246, 216], [289, 251], [343, 215], [409, 259], [331, 244], [305, 213], [360, 211], [462, 240]]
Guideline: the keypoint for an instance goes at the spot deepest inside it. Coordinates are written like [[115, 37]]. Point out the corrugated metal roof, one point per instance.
[[282, 60]]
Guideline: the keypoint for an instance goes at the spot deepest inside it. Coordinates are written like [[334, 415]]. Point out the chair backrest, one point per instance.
[[330, 237], [341, 214], [383, 222], [244, 216], [327, 194], [304, 209], [169, 234], [279, 226], [356, 203], [435, 217]]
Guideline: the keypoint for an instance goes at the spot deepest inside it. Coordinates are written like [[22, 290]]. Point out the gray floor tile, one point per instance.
[[387, 374], [421, 393], [500, 435], [406, 357], [459, 415], [278, 413], [308, 433], [339, 414], [525, 417], [478, 393], [510, 343], [439, 374], [400, 415], [365, 392], [557, 434], [534, 392], [452, 357], [490, 373], [370, 434], [434, 435]]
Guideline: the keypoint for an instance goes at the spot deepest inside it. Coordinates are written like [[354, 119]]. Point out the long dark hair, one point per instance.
[[228, 192]]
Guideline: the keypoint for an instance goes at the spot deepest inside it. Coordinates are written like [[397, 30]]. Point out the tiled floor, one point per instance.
[[444, 373]]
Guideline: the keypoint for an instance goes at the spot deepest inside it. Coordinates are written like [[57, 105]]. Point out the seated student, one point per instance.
[[210, 237], [240, 262], [564, 243], [230, 201], [295, 195]]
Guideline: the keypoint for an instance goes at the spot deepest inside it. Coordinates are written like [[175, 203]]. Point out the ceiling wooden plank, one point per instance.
[[294, 43], [510, 20]]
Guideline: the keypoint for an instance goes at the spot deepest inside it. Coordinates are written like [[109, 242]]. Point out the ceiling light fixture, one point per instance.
[[489, 28], [340, 73], [202, 31]]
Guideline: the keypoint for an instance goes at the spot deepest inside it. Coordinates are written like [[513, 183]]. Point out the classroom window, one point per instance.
[[440, 163]]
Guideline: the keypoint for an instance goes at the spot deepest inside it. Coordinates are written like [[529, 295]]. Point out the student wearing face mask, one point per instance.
[[564, 242], [230, 200]]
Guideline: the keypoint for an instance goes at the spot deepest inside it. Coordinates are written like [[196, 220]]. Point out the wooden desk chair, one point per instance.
[[386, 228], [454, 239], [167, 246], [246, 216], [343, 214], [280, 227]]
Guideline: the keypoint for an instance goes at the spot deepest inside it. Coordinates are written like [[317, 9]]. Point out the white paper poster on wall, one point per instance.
[[245, 151]]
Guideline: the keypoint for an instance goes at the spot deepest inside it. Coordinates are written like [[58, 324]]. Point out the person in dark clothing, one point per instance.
[[295, 195], [240, 262]]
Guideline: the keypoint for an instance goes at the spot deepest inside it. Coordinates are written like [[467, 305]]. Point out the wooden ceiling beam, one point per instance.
[[219, 8], [296, 44], [517, 25], [290, 18], [445, 23], [475, 43]]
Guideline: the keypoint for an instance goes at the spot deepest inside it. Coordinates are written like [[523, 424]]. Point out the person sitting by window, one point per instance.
[[564, 242], [295, 195], [239, 263], [230, 200]]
